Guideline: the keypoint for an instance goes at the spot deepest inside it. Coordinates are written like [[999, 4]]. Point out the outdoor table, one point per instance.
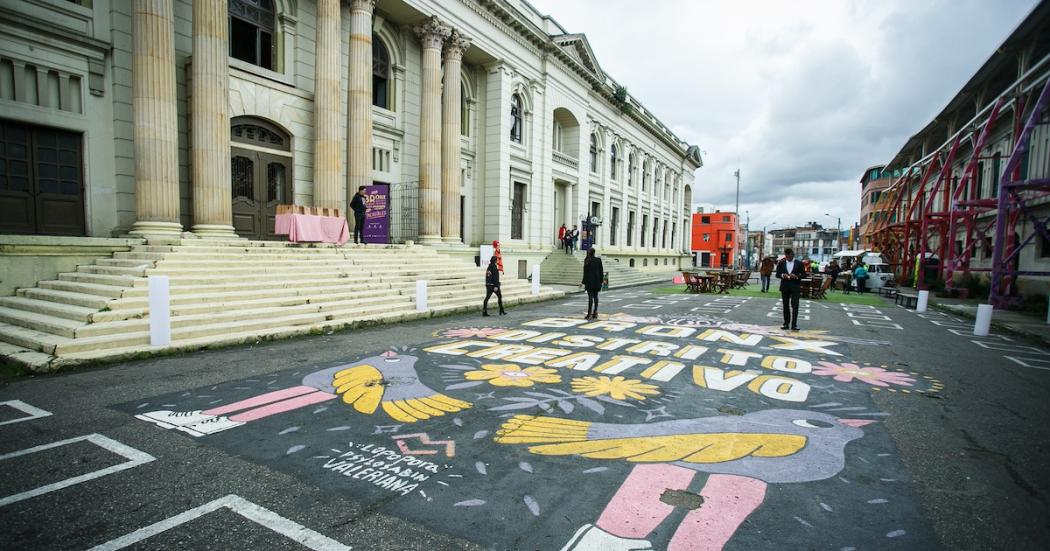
[[706, 282], [312, 228]]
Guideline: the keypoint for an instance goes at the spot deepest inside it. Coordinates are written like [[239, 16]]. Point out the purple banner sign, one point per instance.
[[377, 215]]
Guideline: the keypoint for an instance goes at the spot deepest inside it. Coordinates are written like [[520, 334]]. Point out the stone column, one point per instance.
[[328, 158], [450, 130], [359, 98], [156, 129], [210, 122], [432, 34]]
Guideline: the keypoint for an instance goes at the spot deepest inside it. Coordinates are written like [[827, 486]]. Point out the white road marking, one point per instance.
[[135, 458], [33, 412], [1030, 362], [259, 515]]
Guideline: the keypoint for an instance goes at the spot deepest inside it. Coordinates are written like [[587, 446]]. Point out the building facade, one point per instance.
[[816, 242], [782, 239], [484, 120], [874, 181], [715, 239]]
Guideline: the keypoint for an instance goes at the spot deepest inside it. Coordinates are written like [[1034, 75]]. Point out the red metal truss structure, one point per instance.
[[949, 213]]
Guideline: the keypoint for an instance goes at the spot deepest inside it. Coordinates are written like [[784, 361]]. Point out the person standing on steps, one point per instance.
[[593, 275], [561, 236], [492, 288], [357, 204], [766, 272], [790, 273]]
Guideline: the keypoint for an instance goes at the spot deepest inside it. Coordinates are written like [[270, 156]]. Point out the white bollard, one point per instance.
[[920, 304], [535, 279], [421, 295], [984, 320], [159, 311]]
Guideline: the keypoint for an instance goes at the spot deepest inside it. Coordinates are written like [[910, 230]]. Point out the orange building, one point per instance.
[[714, 239]]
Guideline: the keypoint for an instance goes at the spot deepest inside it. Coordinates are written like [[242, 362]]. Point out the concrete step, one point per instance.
[[110, 291], [129, 271], [100, 279], [39, 322], [93, 302], [126, 262], [31, 339], [37, 362], [48, 308]]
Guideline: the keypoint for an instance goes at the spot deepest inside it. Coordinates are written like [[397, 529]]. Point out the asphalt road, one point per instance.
[[674, 420]]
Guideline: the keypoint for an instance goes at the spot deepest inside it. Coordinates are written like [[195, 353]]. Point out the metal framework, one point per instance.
[[926, 212]]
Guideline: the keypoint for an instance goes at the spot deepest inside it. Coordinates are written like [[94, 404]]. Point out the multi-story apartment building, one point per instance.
[[715, 239], [874, 181]]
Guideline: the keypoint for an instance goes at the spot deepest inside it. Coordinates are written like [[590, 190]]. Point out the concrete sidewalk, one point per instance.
[[1021, 323]]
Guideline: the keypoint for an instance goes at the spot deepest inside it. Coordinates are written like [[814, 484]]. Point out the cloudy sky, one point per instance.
[[801, 96]]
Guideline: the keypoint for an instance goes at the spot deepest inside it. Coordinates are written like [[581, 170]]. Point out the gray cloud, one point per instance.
[[801, 96]]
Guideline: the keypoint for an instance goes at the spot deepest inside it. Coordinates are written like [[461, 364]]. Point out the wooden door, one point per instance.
[[41, 180], [260, 181]]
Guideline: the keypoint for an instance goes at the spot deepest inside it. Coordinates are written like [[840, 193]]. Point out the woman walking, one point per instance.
[[593, 274], [492, 288]]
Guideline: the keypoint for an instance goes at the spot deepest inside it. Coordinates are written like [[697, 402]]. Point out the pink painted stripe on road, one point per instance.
[[262, 399], [636, 509], [728, 501], [280, 407]]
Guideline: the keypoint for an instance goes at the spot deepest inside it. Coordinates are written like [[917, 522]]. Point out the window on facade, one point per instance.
[[996, 174], [725, 218], [464, 112], [380, 74], [612, 162], [251, 31], [614, 226], [630, 229], [594, 153], [729, 237], [630, 170], [705, 219], [707, 237], [515, 118], [556, 136], [1044, 247]]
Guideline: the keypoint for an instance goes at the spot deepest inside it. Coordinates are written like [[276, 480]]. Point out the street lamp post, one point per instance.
[[838, 231], [736, 211]]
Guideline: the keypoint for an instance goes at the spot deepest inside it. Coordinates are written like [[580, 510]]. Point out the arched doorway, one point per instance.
[[261, 172]]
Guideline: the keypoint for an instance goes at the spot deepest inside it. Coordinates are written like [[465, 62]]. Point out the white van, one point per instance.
[[878, 271]]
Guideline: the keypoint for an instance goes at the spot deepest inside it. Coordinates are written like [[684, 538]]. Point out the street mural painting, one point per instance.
[[629, 432]]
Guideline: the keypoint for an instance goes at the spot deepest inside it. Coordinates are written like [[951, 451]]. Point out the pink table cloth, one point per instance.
[[309, 228]]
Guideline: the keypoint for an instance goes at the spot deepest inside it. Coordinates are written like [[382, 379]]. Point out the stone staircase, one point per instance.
[[230, 292], [563, 269]]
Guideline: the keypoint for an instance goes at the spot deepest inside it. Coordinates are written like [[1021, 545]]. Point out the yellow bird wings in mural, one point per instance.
[[568, 437], [391, 381]]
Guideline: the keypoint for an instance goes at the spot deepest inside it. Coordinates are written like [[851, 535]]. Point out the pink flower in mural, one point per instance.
[[875, 376], [467, 332]]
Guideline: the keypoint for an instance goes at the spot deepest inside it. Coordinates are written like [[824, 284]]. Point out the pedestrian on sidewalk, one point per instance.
[[765, 271], [593, 276], [561, 236], [492, 288], [790, 273], [573, 238], [357, 204], [860, 274]]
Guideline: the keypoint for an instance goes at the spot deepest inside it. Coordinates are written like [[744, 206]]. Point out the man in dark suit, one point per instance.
[[790, 272]]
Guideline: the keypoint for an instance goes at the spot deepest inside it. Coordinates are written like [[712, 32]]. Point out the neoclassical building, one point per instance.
[[485, 119]]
